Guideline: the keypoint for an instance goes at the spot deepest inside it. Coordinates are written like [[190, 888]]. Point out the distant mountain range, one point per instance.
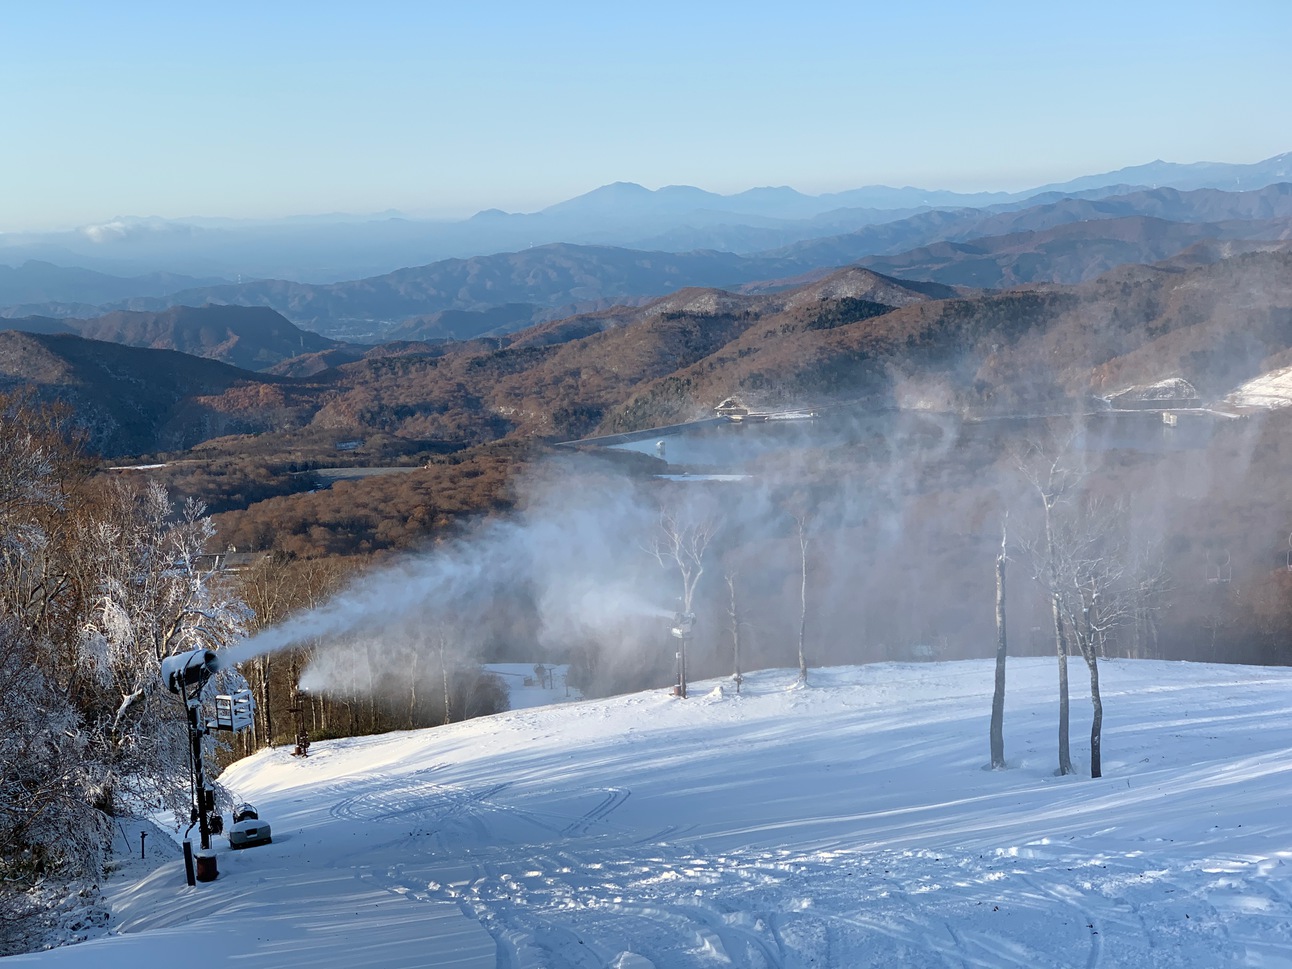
[[37, 282], [854, 335], [1063, 239], [675, 218], [623, 200], [1077, 251]]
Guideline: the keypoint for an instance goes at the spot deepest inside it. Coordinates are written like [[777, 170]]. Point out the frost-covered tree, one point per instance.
[[154, 598], [1095, 579], [98, 581], [39, 581], [680, 542], [1054, 481], [804, 508], [47, 822], [1102, 579]]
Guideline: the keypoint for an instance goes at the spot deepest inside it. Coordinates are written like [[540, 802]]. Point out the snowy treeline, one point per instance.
[[98, 582]]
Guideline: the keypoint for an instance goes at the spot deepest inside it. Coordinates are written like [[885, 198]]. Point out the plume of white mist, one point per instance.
[[417, 591], [591, 575], [578, 551]]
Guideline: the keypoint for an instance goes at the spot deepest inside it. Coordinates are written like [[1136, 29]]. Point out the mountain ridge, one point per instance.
[[852, 335], [248, 337], [321, 251]]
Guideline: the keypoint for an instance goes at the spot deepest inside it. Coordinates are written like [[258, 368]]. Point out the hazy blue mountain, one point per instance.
[[961, 225], [329, 248], [1233, 178], [1077, 251], [502, 292], [38, 324], [37, 281]]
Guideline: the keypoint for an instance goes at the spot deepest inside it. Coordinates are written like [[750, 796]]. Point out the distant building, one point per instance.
[[733, 408], [230, 561], [1175, 393]]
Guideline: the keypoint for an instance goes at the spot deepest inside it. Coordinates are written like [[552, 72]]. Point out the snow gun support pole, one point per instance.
[[186, 676], [202, 800], [683, 624], [302, 735]]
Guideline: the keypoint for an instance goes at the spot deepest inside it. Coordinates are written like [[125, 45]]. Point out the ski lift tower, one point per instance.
[[188, 675]]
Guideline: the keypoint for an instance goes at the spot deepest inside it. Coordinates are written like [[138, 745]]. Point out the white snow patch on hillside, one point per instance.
[[850, 824], [534, 684], [1269, 390]]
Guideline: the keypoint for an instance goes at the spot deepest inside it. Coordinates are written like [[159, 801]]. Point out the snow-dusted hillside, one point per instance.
[[1269, 390], [849, 824]]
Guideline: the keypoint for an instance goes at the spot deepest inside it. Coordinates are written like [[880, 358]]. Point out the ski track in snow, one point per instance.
[[588, 901], [734, 836]]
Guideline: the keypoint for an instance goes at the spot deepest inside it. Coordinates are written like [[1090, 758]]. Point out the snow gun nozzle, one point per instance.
[[189, 669], [683, 623]]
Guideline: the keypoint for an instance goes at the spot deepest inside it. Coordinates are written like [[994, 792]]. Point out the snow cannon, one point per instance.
[[188, 669], [683, 624]]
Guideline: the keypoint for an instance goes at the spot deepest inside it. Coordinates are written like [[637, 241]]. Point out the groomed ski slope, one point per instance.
[[848, 824]]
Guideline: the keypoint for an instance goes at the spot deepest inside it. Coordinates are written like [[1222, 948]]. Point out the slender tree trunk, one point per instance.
[[352, 700], [412, 691], [266, 670], [1137, 632], [1097, 718], [372, 691], [1092, 650], [444, 671], [734, 612], [259, 732], [1060, 639], [1061, 647], [803, 570], [998, 695]]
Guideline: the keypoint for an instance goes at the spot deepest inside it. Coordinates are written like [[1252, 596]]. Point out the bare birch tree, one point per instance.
[[804, 540], [442, 641], [680, 543], [1094, 579], [1104, 581], [998, 693], [1054, 481], [733, 613]]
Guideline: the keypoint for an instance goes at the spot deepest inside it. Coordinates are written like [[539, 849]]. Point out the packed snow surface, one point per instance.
[[849, 823]]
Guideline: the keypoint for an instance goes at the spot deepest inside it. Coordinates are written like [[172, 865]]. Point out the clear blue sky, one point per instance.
[[278, 108]]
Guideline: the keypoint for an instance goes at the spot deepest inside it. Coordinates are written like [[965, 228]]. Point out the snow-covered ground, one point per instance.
[[848, 824], [1269, 390], [534, 684]]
